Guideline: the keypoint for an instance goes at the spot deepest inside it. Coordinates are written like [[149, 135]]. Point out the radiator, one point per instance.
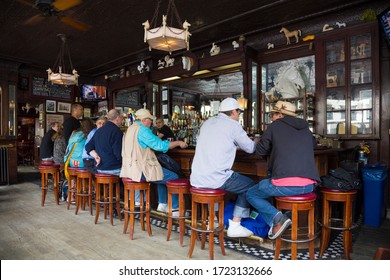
[[4, 174]]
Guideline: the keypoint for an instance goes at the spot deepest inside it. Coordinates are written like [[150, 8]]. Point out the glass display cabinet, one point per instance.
[[349, 71]]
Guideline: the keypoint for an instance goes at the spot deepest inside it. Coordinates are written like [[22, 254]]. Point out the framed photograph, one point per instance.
[[50, 106], [64, 107], [53, 118], [87, 112]]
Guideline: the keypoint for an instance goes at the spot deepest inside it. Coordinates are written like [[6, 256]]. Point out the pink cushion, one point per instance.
[[128, 180], [49, 166], [300, 197], [206, 191], [180, 182]]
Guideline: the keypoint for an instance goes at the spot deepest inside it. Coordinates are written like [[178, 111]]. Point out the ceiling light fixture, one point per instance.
[[242, 101], [61, 77], [167, 38]]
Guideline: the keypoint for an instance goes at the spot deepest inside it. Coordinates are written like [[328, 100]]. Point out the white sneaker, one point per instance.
[[162, 207], [237, 230]]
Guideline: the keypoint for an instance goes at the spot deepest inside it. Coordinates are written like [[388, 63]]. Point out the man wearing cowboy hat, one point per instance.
[[290, 146]]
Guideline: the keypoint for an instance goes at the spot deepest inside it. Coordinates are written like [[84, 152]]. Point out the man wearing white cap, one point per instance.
[[215, 152], [139, 161], [290, 146]]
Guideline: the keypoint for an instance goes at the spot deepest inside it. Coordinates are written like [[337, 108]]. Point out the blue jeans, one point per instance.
[[258, 196], [162, 188], [239, 184]]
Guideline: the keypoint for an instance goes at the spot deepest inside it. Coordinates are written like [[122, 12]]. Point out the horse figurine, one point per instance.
[[289, 34], [215, 50], [169, 61]]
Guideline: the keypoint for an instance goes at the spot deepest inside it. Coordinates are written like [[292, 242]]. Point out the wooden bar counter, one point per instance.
[[256, 166]]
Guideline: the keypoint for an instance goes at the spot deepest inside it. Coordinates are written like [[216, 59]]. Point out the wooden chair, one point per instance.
[[206, 198], [72, 185]]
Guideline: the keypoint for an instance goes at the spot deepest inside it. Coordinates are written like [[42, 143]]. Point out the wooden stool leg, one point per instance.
[[325, 232], [56, 181], [211, 235], [44, 186], [147, 193], [194, 234], [78, 197], [118, 200], [347, 235], [311, 221], [294, 232], [111, 200], [90, 195], [126, 208], [181, 221], [132, 204], [221, 233], [97, 201], [142, 208], [204, 225], [169, 215]]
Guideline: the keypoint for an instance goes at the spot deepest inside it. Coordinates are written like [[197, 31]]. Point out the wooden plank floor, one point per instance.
[[29, 232]]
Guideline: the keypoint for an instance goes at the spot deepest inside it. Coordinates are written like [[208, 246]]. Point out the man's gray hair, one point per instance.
[[112, 114]]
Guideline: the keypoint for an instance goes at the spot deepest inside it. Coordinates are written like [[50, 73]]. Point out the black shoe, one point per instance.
[[278, 228]]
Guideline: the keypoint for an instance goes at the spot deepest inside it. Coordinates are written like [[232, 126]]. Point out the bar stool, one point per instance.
[[130, 187], [72, 184], [104, 195], [180, 187], [54, 170], [206, 198], [296, 203], [83, 189], [328, 197]]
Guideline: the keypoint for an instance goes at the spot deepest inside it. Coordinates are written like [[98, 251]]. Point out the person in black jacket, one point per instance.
[[73, 122], [290, 145], [47, 144], [163, 131]]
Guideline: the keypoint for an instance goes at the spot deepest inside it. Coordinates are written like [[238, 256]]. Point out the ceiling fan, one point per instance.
[[50, 8]]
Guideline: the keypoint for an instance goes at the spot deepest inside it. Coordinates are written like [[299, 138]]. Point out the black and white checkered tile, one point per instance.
[[334, 251]]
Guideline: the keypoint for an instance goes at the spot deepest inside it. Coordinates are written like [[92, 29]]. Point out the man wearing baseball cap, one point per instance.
[[290, 145], [215, 152], [139, 161]]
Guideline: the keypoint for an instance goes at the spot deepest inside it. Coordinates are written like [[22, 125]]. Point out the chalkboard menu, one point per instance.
[[128, 98], [41, 87]]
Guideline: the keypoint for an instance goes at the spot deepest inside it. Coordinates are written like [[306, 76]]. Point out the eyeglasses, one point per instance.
[[273, 114], [238, 111]]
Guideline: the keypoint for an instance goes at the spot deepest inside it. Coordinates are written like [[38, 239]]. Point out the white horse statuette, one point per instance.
[[215, 50], [169, 61], [270, 46], [289, 34]]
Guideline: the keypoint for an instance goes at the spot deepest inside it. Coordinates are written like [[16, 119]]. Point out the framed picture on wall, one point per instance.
[[50, 106], [64, 107]]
